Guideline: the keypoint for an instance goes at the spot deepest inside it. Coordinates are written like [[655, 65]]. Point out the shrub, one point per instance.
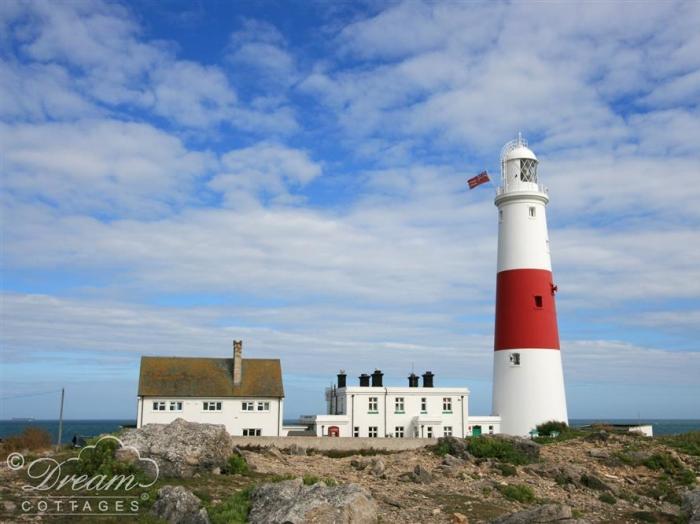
[[236, 465], [506, 469], [310, 480], [442, 448], [607, 498], [547, 428], [484, 447], [664, 462], [31, 438], [518, 492], [688, 443], [686, 477], [101, 460], [233, 510]]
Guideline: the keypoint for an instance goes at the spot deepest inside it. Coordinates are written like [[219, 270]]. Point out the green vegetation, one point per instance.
[[518, 492], [236, 465], [503, 450], [442, 448], [280, 478], [233, 510], [310, 480], [506, 469], [553, 426], [607, 498], [688, 443], [644, 516], [101, 460], [662, 490], [32, 438]]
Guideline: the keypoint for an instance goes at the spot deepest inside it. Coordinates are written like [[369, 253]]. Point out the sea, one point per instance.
[[90, 428]]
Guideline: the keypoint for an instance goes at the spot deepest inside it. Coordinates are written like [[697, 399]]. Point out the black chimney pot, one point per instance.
[[364, 380], [413, 380], [428, 379], [377, 378], [342, 377]]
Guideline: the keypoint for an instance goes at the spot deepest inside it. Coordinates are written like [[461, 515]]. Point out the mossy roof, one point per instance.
[[209, 377]]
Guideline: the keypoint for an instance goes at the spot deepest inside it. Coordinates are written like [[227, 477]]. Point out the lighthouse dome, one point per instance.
[[518, 166], [518, 152]]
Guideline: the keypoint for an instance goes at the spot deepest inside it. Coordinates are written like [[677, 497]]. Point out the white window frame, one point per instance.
[[263, 405], [252, 432], [447, 431], [175, 405], [399, 432], [247, 405], [373, 405], [373, 432], [159, 405], [429, 431], [212, 406], [399, 405], [424, 404], [447, 404]]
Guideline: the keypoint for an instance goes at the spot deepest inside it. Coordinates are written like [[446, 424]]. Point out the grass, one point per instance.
[[310, 480], [607, 498], [233, 510], [507, 470], [236, 465], [484, 447], [688, 443], [517, 492]]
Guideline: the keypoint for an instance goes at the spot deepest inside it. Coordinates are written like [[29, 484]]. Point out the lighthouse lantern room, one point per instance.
[[528, 382]]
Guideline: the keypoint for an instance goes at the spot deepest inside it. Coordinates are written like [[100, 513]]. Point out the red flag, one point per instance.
[[479, 179]]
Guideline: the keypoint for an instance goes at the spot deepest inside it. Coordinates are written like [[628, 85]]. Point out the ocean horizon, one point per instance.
[[92, 427]]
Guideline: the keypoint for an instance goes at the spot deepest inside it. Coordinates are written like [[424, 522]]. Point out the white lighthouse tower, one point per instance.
[[528, 382]]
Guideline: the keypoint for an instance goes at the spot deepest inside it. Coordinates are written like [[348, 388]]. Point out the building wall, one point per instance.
[[488, 425], [342, 444], [231, 415], [385, 419]]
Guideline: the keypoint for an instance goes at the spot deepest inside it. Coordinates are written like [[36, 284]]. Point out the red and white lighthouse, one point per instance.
[[528, 382]]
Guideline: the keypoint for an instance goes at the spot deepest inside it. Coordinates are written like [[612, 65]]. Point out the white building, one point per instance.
[[375, 410], [245, 395]]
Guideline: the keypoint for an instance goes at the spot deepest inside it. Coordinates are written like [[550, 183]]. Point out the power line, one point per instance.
[[31, 395]]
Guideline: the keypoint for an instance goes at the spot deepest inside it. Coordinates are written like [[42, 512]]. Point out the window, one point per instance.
[[447, 405], [528, 170], [538, 301], [175, 405], [356, 431], [373, 405], [212, 406], [532, 211], [373, 431], [448, 431], [429, 432], [490, 430], [248, 406], [500, 215], [399, 432], [252, 432], [398, 405], [424, 405], [515, 359], [159, 406], [264, 406]]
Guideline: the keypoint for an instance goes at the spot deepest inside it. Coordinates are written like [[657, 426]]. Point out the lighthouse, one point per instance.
[[528, 382]]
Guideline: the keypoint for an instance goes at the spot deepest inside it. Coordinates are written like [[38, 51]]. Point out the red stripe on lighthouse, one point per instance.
[[526, 315]]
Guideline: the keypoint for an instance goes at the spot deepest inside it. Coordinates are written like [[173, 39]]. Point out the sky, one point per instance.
[[180, 174]]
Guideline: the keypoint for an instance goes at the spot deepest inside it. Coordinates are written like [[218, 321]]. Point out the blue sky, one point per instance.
[[177, 175]]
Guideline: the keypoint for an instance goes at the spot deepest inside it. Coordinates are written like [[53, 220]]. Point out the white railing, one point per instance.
[[500, 190]]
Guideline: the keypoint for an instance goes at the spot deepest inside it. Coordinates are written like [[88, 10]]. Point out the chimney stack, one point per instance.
[[341, 379], [377, 379], [364, 380], [413, 380], [428, 379], [237, 361]]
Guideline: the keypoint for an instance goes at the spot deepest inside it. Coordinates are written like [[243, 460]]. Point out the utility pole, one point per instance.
[[60, 420]]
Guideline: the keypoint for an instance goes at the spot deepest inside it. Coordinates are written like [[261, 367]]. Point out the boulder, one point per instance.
[[295, 449], [563, 474], [181, 448], [690, 506], [454, 446], [359, 463], [459, 518], [420, 475], [273, 452], [453, 462], [544, 513], [294, 503], [377, 467], [524, 445], [593, 482], [177, 505]]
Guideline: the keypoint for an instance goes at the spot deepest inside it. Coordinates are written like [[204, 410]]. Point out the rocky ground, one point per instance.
[[593, 478]]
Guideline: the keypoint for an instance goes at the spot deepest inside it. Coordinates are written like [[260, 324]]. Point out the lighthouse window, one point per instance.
[[500, 215], [515, 359], [532, 212], [528, 170], [538, 301]]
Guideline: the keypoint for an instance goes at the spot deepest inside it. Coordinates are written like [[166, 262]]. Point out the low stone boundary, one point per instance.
[[336, 443]]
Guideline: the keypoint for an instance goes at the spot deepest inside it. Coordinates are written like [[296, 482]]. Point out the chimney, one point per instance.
[[413, 380], [377, 378], [341, 378], [237, 361], [428, 379], [364, 380]]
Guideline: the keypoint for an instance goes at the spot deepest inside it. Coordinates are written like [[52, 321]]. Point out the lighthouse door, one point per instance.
[[476, 431]]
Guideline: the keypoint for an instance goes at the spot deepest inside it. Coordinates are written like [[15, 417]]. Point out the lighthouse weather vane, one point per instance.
[[528, 381]]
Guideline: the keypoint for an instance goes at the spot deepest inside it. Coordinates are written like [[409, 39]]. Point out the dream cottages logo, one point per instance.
[[103, 479]]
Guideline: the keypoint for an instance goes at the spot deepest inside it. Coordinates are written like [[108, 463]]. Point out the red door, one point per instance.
[[333, 431]]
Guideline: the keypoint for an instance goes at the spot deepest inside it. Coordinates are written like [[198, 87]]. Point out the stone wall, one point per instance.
[[329, 443]]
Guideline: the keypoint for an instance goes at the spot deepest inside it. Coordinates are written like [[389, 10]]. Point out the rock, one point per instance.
[[377, 467], [177, 505], [420, 475], [459, 518], [180, 448], [9, 506], [449, 460], [563, 474], [359, 463], [599, 453], [690, 506], [251, 458], [273, 452], [524, 445], [454, 446], [593, 482], [294, 449], [292, 502], [544, 513]]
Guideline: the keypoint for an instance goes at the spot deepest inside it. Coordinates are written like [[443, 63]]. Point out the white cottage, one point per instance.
[[244, 394], [374, 410]]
